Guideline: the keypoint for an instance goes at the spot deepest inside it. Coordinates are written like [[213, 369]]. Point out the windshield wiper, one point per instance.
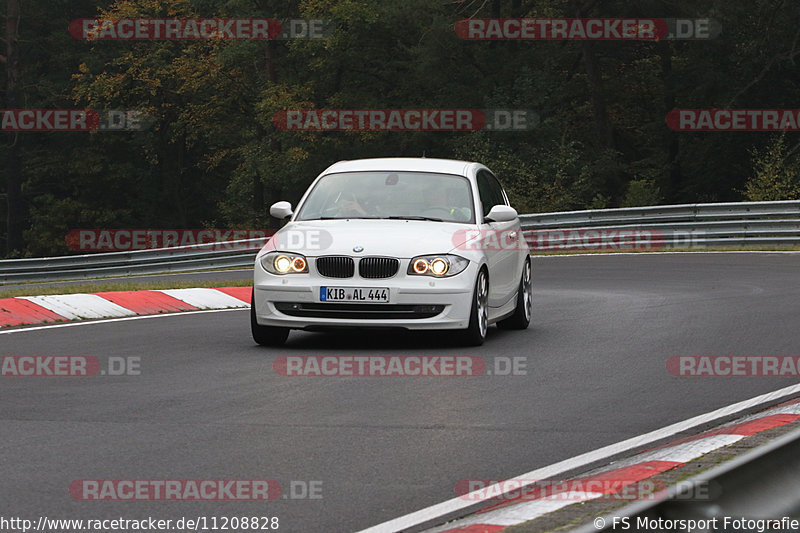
[[414, 217], [339, 218]]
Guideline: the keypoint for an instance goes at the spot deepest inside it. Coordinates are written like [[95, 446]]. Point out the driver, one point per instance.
[[351, 206]]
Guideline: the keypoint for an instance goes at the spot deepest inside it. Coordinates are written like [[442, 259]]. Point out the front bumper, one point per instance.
[[415, 302]]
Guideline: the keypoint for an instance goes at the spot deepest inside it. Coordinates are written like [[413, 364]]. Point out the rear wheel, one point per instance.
[[265, 335], [522, 314], [479, 316]]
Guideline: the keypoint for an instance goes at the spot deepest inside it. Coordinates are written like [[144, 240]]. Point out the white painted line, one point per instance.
[[107, 321], [521, 512], [680, 453], [435, 512], [793, 409], [77, 306], [205, 298]]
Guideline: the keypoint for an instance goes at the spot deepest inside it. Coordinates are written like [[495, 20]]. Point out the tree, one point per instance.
[[777, 173]]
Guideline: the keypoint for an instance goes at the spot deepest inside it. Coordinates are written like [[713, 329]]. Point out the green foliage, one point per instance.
[[537, 179], [214, 155], [777, 173], [641, 193]]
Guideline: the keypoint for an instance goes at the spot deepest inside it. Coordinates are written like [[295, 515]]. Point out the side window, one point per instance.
[[490, 191]]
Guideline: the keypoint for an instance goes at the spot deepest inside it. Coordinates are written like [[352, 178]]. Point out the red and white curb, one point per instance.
[[26, 310], [614, 478]]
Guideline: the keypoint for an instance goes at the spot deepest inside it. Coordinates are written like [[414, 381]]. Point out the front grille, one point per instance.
[[358, 311], [335, 267], [378, 267]]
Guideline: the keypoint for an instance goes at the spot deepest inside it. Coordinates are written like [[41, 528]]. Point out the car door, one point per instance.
[[501, 241]]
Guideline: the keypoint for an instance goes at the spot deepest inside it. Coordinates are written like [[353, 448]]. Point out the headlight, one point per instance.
[[437, 266], [284, 263]]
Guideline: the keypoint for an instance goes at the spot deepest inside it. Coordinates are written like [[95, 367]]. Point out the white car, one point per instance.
[[409, 243]]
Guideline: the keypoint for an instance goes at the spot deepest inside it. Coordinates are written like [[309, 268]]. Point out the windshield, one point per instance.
[[390, 195]]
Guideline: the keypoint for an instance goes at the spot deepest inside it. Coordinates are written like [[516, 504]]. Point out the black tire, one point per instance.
[[522, 314], [475, 333], [265, 335]]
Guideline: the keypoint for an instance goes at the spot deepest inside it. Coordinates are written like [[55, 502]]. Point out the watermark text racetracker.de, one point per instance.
[[74, 120], [438, 366], [68, 366], [609, 486], [175, 489], [605, 239], [733, 120], [38, 120], [118, 240], [182, 29], [586, 29], [786, 366], [316, 120], [194, 489]]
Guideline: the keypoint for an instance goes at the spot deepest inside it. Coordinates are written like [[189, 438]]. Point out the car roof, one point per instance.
[[411, 164]]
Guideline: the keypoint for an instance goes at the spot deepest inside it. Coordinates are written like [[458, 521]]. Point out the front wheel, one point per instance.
[[265, 335], [479, 316], [522, 314]]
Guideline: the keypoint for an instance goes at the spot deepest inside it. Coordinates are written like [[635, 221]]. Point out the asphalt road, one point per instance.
[[208, 403]]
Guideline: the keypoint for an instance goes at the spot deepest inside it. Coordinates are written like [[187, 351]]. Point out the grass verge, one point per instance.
[[121, 286]]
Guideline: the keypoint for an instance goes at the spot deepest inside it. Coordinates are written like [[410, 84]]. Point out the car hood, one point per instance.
[[392, 238]]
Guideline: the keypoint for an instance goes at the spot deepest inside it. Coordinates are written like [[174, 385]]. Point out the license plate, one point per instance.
[[353, 294]]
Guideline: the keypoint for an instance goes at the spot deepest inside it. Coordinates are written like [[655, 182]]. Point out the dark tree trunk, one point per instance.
[[673, 144], [602, 123], [274, 145], [15, 211]]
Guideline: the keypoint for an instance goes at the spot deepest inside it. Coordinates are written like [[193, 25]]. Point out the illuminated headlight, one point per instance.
[[437, 266], [284, 263]]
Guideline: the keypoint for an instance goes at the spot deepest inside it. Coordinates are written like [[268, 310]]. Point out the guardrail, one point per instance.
[[671, 226], [761, 484], [637, 228], [228, 254]]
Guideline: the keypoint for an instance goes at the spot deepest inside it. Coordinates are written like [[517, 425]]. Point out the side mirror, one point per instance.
[[501, 213], [281, 210]]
